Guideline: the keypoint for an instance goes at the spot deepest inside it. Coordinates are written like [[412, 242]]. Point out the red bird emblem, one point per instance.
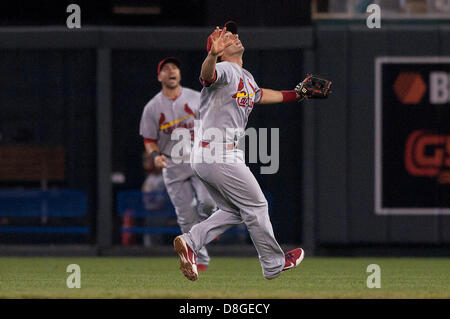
[[241, 85], [188, 110], [162, 119], [240, 88]]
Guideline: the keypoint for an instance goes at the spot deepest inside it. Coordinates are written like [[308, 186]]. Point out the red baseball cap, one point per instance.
[[230, 25], [172, 59]]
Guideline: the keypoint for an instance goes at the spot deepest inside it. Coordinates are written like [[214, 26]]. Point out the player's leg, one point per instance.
[[240, 187], [206, 204], [204, 232], [223, 218], [181, 193], [190, 244]]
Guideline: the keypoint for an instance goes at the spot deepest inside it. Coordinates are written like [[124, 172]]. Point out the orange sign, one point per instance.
[[428, 155], [409, 87]]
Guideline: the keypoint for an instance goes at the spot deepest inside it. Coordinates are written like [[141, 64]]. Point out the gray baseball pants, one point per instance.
[[239, 199], [190, 198]]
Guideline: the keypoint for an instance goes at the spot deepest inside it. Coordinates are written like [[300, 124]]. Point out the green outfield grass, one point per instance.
[[227, 278]]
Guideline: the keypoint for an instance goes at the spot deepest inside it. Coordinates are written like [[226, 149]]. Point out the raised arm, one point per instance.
[[218, 44], [209, 68]]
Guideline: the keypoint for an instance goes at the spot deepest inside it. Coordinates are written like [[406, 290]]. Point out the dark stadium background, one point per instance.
[[84, 90]]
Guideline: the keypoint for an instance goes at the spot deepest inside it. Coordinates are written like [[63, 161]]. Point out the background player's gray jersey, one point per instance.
[[161, 116], [230, 106]]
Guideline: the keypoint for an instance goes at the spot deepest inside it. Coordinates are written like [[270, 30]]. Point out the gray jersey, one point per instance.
[[161, 116], [227, 102]]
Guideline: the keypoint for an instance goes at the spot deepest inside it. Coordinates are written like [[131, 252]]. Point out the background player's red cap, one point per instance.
[[172, 59], [231, 26]]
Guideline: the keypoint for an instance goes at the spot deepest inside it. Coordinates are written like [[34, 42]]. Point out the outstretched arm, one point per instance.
[[271, 96], [312, 87]]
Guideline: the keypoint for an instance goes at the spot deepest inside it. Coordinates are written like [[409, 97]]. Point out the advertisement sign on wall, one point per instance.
[[412, 135]]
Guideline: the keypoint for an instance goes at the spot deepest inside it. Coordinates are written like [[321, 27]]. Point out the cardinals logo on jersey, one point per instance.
[[169, 127], [243, 98]]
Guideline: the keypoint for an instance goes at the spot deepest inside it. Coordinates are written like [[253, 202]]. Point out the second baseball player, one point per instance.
[[176, 107]]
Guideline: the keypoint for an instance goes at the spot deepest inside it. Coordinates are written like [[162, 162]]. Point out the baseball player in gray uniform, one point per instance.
[[227, 98], [172, 108]]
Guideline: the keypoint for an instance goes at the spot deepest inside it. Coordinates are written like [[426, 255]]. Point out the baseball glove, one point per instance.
[[313, 87]]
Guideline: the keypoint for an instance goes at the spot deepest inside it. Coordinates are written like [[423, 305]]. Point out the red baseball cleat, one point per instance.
[[293, 258], [187, 258], [201, 267]]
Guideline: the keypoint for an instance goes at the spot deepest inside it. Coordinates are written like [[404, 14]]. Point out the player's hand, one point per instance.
[[220, 41], [161, 161]]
